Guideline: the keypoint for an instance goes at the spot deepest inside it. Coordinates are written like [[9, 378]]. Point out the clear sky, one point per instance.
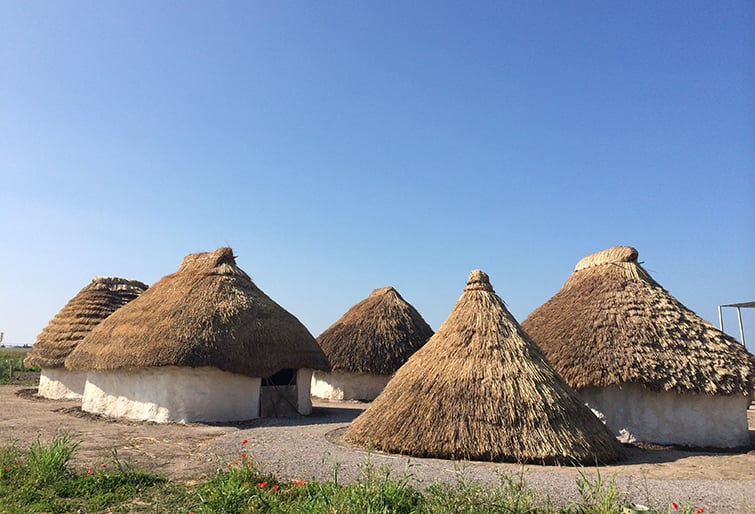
[[342, 146]]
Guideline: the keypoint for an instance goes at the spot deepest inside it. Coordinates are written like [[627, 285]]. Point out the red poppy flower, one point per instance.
[[700, 510], [262, 485], [244, 441], [243, 455], [275, 487], [89, 472], [674, 506]]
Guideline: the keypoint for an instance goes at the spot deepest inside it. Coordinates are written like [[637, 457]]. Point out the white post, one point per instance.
[[741, 329], [720, 318]]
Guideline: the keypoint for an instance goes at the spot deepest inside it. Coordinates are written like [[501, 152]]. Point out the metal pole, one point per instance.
[[720, 318], [741, 329]]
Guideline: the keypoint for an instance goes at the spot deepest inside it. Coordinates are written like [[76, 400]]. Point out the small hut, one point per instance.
[[648, 366], [367, 345], [202, 344], [481, 389], [95, 302]]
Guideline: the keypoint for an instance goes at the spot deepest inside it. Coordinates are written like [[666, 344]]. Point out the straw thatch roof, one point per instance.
[[481, 389], [376, 335], [95, 302], [208, 313], [611, 323]]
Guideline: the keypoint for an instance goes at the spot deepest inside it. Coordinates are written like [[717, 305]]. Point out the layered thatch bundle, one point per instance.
[[368, 344], [207, 316], [90, 306], [95, 302], [481, 389], [612, 326]]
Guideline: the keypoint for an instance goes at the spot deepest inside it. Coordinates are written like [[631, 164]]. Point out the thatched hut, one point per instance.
[[367, 345], [649, 366], [481, 389], [95, 302], [202, 344]]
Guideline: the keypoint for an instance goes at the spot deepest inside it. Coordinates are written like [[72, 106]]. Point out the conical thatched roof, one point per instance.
[[376, 335], [98, 300], [208, 313], [481, 389], [611, 323]]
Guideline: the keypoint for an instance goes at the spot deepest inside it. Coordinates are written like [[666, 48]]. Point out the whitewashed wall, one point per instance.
[[347, 386], [59, 383], [303, 383], [172, 394], [634, 413]]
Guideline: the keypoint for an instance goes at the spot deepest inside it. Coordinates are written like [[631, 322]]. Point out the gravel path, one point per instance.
[[312, 447]]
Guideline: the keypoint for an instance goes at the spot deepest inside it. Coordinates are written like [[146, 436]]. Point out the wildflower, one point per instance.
[[243, 455], [244, 441], [246, 484], [700, 510], [299, 483], [275, 487], [89, 472], [262, 485], [230, 464], [674, 506], [18, 463], [7, 468], [102, 465]]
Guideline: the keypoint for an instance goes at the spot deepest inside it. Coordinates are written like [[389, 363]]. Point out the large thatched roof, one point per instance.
[[481, 389], [95, 302], [611, 323], [208, 313], [376, 335]]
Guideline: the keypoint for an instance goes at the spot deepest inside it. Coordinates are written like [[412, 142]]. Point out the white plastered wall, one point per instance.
[[338, 385], [59, 383], [634, 413], [303, 382], [172, 394]]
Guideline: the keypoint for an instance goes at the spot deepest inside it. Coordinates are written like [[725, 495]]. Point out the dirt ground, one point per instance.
[[312, 447]]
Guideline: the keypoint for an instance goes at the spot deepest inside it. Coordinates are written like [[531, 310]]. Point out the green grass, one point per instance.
[[41, 479], [12, 369]]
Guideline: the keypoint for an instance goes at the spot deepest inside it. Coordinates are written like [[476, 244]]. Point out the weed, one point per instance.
[[46, 464]]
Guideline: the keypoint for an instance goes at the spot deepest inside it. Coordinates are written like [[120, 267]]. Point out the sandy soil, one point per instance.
[[312, 447]]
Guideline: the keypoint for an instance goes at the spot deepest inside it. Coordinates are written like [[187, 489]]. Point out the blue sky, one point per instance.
[[343, 146]]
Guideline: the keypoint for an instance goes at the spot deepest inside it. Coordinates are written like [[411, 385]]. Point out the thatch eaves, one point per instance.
[[375, 336], [611, 324], [208, 313], [88, 308], [481, 389]]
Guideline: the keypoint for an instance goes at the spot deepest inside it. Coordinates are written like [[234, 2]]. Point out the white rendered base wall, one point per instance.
[[303, 383], [172, 394], [634, 413], [59, 383], [347, 386]]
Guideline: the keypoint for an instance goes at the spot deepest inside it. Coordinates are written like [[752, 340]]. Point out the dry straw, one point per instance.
[[481, 389], [611, 323], [376, 336], [208, 313], [95, 302]]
